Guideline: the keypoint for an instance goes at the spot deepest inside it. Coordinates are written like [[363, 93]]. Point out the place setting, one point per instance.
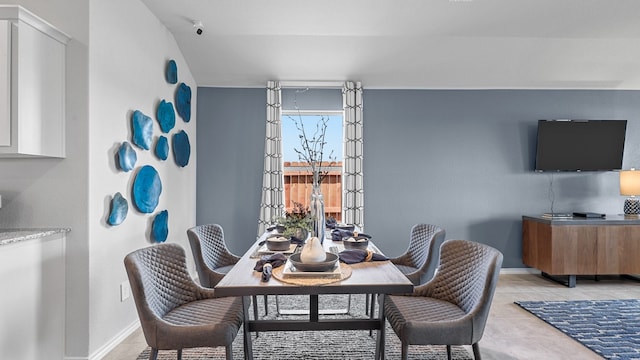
[[309, 263]]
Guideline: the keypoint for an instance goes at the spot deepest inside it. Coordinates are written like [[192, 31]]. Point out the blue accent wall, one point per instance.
[[460, 159]]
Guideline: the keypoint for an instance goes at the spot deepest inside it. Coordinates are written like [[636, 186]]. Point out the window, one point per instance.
[[297, 175]]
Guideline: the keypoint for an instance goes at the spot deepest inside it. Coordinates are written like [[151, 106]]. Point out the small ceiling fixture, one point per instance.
[[197, 24]]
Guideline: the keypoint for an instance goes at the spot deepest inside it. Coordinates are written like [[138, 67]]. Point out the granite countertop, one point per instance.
[[10, 236]]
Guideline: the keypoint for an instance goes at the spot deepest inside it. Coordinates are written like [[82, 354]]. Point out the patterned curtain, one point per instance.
[[272, 204], [352, 177]]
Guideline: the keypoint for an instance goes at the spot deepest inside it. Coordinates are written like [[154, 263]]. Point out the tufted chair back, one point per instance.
[[212, 257], [420, 260], [158, 275]]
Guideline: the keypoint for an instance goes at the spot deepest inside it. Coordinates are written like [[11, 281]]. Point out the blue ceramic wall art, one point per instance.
[[162, 148], [142, 129], [146, 189], [166, 116], [127, 157], [119, 210], [183, 102], [181, 148], [160, 228], [171, 73]]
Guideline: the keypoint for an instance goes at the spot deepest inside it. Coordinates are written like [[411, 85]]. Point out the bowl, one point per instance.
[[358, 242], [278, 243], [277, 228], [345, 227], [327, 265]]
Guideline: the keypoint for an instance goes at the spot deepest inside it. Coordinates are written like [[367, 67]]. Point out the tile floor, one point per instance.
[[511, 332]]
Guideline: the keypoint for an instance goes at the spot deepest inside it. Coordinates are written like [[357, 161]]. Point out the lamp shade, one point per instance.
[[630, 182]]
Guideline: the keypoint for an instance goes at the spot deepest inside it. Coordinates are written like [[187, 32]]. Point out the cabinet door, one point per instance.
[[5, 83], [618, 249], [574, 249], [32, 88], [40, 88]]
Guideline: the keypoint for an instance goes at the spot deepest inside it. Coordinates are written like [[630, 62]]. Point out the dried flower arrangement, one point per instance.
[[298, 218]]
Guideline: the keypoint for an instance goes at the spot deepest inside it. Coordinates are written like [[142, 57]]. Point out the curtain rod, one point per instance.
[[312, 84]]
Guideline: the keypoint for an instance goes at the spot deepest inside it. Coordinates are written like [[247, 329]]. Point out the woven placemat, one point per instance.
[[345, 272]]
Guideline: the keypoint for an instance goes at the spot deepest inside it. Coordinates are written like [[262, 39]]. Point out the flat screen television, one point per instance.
[[580, 145]]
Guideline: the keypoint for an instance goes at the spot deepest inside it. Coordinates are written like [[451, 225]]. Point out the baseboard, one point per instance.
[[512, 271], [115, 341]]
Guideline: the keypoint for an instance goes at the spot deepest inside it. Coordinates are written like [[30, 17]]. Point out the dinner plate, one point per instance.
[[290, 271], [327, 265]]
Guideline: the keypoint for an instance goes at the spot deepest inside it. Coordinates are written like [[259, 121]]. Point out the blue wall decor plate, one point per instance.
[[160, 227], [181, 148], [183, 102], [127, 157], [142, 130], [119, 210], [171, 73], [162, 148], [146, 189], [166, 116]]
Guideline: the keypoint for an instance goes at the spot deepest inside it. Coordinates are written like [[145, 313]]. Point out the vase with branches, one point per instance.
[[311, 151]]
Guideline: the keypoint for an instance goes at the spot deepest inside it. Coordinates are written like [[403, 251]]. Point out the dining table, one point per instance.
[[367, 277]]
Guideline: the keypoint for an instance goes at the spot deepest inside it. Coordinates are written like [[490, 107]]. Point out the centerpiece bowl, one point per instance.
[[327, 265], [277, 242]]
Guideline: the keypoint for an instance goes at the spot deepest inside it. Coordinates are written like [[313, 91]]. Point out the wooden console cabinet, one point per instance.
[[582, 246]]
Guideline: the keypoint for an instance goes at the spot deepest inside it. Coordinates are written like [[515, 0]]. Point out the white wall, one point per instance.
[[128, 54], [115, 64]]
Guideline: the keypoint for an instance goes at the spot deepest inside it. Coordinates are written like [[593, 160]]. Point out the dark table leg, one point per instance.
[[313, 308]]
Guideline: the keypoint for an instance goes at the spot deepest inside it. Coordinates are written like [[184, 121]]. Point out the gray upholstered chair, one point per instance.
[[212, 258], [453, 307], [174, 311], [420, 261]]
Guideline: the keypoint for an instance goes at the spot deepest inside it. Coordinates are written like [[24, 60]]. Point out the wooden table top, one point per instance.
[[379, 277]]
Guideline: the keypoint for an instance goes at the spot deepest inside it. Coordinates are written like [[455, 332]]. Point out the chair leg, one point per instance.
[[404, 351], [153, 355], [179, 354], [448, 352], [228, 350], [476, 351]]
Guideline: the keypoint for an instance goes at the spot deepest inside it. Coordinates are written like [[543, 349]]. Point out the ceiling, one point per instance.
[[410, 44]]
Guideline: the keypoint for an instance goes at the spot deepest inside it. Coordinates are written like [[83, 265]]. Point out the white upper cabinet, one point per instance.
[[32, 85]]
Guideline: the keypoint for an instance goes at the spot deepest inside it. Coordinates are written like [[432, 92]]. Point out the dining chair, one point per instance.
[[213, 259], [175, 312], [419, 262], [452, 308]]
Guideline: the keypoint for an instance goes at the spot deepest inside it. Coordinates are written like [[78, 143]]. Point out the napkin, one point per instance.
[[353, 256], [331, 222], [266, 272], [275, 260]]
